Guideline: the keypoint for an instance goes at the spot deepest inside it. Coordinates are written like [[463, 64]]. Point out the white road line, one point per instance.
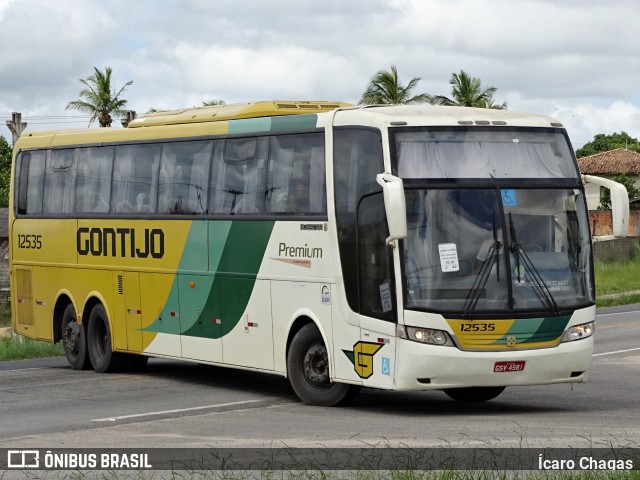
[[180, 410], [617, 351], [24, 369], [616, 313]]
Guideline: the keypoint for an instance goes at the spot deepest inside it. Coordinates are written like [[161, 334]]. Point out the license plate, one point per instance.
[[516, 366]]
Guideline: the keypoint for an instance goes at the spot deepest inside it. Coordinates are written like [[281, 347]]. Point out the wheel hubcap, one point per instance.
[[316, 365], [71, 337]]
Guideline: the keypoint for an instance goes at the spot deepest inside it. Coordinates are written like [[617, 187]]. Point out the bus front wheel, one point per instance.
[[474, 394], [103, 358], [308, 371], [74, 340]]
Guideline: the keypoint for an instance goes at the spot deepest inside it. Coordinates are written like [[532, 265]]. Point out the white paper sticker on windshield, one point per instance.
[[448, 257], [385, 297]]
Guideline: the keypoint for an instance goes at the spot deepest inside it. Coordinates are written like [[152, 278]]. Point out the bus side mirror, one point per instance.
[[394, 205], [619, 203]]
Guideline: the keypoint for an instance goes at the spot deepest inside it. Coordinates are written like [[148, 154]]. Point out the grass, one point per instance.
[[5, 309], [617, 282], [13, 347], [20, 348], [332, 475]]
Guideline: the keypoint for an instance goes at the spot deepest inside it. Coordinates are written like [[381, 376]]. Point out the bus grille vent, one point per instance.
[[24, 309], [120, 287], [307, 106]]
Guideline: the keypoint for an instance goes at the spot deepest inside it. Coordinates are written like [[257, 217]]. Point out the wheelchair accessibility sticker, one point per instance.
[[509, 197], [386, 366]]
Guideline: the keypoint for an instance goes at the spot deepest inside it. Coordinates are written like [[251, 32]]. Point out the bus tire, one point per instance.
[[308, 371], [103, 358], [474, 394], [74, 340]]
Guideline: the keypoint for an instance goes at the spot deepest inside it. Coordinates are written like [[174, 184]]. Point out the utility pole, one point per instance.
[[129, 116], [16, 125]]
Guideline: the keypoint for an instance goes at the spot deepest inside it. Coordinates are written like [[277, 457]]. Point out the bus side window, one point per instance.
[[135, 173], [184, 177], [23, 182], [375, 278], [60, 182], [93, 181], [357, 158], [296, 182], [238, 177]]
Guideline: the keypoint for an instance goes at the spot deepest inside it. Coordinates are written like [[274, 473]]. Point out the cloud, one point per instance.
[[584, 121], [540, 54], [51, 43]]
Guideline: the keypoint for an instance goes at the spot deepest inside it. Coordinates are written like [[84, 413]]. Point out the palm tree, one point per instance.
[[467, 91], [99, 100], [384, 88]]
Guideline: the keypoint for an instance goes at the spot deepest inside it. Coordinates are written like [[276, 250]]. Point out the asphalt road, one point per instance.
[[45, 404]]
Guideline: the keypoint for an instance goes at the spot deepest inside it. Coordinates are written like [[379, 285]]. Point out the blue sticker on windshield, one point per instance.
[[509, 197]]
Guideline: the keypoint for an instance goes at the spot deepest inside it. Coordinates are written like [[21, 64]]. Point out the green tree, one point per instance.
[[213, 103], [5, 171], [632, 191], [385, 88], [604, 143], [467, 91], [99, 99]]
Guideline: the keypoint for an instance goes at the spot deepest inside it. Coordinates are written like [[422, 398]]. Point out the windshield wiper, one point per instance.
[[492, 258], [531, 274]]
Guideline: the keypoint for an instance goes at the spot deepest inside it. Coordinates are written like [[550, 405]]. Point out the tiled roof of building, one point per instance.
[[612, 162]]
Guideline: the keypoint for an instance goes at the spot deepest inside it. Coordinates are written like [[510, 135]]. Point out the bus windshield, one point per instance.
[[496, 250], [478, 152]]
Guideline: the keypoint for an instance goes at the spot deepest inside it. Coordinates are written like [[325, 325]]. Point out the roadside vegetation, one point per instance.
[[20, 348], [338, 475], [618, 282], [15, 347]]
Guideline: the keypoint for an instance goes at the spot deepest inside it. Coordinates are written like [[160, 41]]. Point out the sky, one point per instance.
[[575, 60]]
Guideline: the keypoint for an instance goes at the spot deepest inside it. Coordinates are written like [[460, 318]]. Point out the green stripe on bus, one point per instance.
[[250, 125], [236, 268], [293, 123], [284, 124], [533, 330]]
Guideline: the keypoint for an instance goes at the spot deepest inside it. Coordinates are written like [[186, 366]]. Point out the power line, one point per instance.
[[50, 117]]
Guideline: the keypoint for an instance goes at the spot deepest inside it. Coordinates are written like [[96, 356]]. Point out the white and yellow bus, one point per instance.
[[395, 247]]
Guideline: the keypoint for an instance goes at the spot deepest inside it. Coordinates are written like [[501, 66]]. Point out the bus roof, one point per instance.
[[225, 119], [217, 113], [438, 115]]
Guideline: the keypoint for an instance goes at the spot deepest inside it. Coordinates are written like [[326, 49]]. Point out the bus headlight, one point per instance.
[[578, 332], [428, 335]]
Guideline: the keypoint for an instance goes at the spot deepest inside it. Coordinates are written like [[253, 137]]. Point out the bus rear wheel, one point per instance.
[[74, 340], [103, 358], [308, 371], [474, 394]]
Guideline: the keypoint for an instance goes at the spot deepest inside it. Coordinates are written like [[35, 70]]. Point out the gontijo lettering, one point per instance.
[[120, 242]]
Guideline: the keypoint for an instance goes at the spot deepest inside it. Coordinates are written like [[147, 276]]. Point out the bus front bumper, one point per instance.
[[428, 367]]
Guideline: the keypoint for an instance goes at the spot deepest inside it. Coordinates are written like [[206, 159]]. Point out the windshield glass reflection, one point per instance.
[[462, 255]]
